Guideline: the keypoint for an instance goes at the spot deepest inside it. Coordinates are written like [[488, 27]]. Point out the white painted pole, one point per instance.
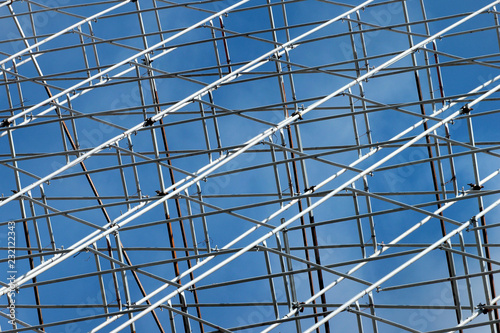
[[297, 216], [401, 267], [382, 250], [181, 103], [111, 68], [221, 161], [63, 31]]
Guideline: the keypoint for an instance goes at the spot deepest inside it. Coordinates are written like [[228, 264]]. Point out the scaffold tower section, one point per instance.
[[247, 166]]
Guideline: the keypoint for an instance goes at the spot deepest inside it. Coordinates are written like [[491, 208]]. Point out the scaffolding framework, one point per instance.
[[249, 166]]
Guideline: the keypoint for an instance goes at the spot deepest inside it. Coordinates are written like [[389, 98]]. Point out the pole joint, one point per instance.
[[149, 122], [311, 188], [5, 123], [161, 193], [297, 113], [466, 109], [483, 308], [298, 306]]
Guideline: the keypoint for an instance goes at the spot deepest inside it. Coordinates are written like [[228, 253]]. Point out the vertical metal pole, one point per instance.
[[192, 226], [449, 256], [466, 273], [35, 226], [282, 89], [364, 108], [26, 231], [216, 49], [18, 188], [368, 132], [49, 224], [203, 218], [101, 280], [286, 285], [224, 41], [119, 250], [489, 285]]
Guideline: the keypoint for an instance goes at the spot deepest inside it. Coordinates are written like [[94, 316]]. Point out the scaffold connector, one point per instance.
[[473, 220], [475, 187], [146, 61], [482, 308], [5, 123], [130, 305], [310, 188], [466, 109], [161, 193], [297, 113], [149, 122], [298, 306]]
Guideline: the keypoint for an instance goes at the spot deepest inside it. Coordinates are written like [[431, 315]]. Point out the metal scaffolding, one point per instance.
[[249, 166]]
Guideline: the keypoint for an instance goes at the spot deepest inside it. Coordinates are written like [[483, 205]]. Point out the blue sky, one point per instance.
[[236, 130]]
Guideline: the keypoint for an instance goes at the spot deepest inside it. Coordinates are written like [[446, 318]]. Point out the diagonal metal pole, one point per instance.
[[259, 137], [115, 66], [224, 159], [430, 248], [317, 203], [61, 32]]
